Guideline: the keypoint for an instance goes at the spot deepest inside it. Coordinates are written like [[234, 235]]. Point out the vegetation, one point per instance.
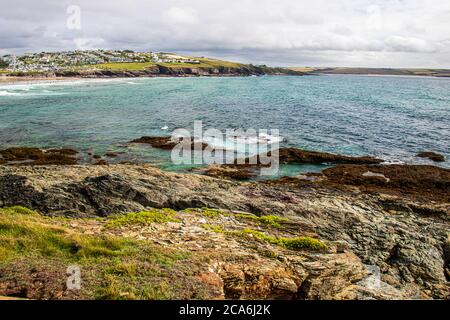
[[142, 218], [268, 220], [141, 66], [25, 233], [301, 243], [3, 64], [123, 66], [112, 267]]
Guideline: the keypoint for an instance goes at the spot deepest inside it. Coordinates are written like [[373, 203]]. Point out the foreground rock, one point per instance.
[[403, 234], [432, 156], [208, 254]]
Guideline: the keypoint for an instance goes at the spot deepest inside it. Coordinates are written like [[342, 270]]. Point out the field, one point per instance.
[[140, 66], [123, 66]]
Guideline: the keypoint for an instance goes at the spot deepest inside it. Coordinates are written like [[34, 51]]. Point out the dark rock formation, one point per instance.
[[36, 156], [245, 169], [426, 182], [432, 156], [167, 143], [294, 155]]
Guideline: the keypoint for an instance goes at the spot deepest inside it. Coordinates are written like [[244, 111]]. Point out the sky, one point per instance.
[[351, 33]]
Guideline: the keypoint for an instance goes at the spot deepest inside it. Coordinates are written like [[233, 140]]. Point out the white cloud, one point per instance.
[[180, 16], [394, 33]]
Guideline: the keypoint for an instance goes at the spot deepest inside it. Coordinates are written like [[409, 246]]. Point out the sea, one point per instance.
[[390, 117]]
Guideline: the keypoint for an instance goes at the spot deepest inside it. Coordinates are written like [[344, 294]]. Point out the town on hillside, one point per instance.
[[56, 61]]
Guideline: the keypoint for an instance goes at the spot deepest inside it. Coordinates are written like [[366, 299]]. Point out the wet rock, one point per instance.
[[111, 155], [168, 143], [420, 181], [36, 156], [432, 156], [227, 173]]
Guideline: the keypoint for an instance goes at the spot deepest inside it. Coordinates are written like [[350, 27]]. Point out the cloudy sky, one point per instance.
[[375, 33]]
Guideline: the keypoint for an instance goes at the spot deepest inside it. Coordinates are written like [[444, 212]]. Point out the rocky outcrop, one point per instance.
[[168, 143], [432, 156], [245, 169], [294, 155], [423, 182], [36, 156], [405, 237]]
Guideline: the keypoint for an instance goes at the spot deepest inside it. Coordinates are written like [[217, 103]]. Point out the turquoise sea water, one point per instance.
[[388, 117]]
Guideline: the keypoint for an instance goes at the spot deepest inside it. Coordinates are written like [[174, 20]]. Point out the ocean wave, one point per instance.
[[4, 93]]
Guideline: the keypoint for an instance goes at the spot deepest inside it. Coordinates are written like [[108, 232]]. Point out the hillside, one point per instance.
[[125, 63], [377, 71]]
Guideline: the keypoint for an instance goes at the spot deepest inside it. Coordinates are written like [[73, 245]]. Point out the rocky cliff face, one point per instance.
[[366, 229], [160, 70]]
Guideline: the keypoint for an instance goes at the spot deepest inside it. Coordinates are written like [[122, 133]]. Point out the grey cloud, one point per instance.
[[284, 32]]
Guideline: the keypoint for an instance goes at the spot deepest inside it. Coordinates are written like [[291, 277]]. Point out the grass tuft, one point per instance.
[[142, 218]]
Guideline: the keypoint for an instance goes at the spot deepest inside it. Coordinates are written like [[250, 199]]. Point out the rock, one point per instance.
[[227, 173], [424, 181], [432, 156], [36, 156], [410, 247], [244, 169], [294, 155], [167, 143], [111, 155]]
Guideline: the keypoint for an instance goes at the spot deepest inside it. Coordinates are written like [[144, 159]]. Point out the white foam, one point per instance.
[[4, 93]]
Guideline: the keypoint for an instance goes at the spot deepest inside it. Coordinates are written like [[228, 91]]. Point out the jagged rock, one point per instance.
[[405, 236]]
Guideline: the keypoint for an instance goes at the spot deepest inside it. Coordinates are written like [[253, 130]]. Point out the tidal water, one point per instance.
[[388, 117]]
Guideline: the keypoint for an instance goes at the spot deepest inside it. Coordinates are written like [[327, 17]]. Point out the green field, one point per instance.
[[140, 66], [122, 66]]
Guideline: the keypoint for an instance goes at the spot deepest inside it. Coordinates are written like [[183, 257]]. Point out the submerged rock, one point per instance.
[[432, 156]]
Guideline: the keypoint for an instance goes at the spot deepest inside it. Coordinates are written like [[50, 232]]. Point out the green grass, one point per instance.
[[112, 267], [25, 233], [141, 66], [268, 220], [142, 218], [123, 66], [300, 243], [207, 212]]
